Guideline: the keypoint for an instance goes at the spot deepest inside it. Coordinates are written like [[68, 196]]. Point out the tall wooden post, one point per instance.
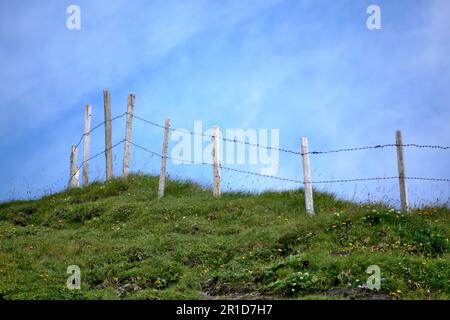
[[216, 161], [162, 175], [86, 141], [108, 136], [129, 122], [401, 172], [309, 203], [73, 178]]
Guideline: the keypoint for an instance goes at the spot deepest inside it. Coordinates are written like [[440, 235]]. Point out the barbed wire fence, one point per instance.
[[304, 153]]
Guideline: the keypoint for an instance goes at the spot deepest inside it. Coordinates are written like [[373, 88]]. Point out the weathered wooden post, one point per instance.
[[162, 175], [401, 172], [74, 171], [108, 135], [216, 161], [129, 122], [86, 141], [307, 183]]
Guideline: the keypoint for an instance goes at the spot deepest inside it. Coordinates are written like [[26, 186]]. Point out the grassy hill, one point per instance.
[[130, 245]]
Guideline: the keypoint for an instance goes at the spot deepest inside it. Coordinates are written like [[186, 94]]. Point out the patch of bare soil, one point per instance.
[[213, 289], [355, 294]]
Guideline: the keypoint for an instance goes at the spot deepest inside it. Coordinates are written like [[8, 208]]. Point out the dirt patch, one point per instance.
[[213, 289], [341, 253], [355, 294]]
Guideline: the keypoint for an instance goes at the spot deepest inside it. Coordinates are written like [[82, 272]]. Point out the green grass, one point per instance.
[[188, 245]]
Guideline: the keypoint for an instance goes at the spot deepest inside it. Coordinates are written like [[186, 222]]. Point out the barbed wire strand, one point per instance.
[[297, 152], [287, 179], [380, 147], [98, 126], [211, 136], [95, 156], [262, 146]]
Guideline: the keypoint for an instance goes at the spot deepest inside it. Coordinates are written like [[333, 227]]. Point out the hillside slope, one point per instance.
[[130, 245]]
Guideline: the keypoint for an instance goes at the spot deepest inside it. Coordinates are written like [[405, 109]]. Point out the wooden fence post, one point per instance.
[[216, 161], [401, 172], [162, 175], [86, 141], [108, 138], [309, 203], [73, 178], [129, 122]]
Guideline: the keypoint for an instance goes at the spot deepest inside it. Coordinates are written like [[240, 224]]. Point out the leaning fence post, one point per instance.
[[108, 138], [307, 177], [86, 141], [162, 176], [129, 122], [401, 172], [216, 161], [74, 170]]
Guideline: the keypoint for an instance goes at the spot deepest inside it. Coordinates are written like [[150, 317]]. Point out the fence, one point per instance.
[[304, 153]]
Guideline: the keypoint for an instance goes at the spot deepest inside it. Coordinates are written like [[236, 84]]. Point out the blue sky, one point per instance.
[[308, 68]]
